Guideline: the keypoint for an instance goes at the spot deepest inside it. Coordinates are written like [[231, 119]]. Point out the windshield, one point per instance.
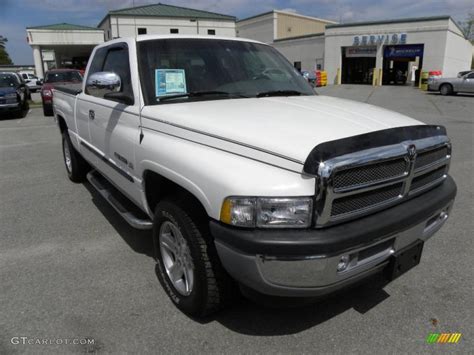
[[63, 76], [8, 80], [214, 69]]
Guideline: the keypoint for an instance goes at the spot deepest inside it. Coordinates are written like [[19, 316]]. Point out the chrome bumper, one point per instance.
[[315, 275]]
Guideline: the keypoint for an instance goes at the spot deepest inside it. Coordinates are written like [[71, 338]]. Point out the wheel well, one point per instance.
[[62, 124], [448, 84], [158, 187]]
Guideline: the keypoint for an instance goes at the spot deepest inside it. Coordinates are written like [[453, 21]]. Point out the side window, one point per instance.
[[470, 76], [117, 61]]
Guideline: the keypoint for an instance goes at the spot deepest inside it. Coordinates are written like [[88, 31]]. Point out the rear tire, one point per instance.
[[47, 110], [76, 167], [209, 287], [446, 89]]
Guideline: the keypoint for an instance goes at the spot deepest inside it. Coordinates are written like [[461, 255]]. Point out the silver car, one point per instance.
[[449, 86]]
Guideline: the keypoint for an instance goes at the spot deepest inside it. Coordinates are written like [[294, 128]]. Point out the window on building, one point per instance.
[[297, 65], [211, 32], [141, 31], [174, 30]]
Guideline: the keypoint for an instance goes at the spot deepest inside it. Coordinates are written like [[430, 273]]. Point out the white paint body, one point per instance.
[[215, 149]]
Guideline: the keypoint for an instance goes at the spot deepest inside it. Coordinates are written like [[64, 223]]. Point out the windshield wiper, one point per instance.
[[200, 94], [279, 93]]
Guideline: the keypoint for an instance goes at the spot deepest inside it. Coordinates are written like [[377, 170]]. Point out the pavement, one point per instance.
[[71, 268]]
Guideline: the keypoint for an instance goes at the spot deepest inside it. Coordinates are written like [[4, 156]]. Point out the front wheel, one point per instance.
[[446, 89], [187, 264]]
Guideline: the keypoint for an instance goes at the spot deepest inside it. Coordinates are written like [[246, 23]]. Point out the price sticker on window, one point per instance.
[[170, 82]]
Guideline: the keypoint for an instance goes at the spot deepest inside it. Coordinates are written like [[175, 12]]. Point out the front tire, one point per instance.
[[187, 264], [446, 89], [76, 167]]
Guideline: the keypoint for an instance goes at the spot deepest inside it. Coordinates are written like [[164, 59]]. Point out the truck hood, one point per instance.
[[288, 126]]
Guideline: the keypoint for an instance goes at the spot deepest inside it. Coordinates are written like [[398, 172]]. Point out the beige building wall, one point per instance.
[[293, 25]]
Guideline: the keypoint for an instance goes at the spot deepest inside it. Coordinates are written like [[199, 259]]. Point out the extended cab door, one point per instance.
[[113, 126]]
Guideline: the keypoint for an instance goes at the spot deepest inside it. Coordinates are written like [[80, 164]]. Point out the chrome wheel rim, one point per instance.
[[176, 258], [67, 157]]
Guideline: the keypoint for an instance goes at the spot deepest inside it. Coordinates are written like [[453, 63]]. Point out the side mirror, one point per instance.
[[102, 83]]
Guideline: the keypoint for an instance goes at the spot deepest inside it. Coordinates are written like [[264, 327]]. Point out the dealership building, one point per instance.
[[359, 53], [355, 52]]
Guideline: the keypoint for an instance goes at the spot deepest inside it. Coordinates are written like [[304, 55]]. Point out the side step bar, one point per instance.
[[112, 196]]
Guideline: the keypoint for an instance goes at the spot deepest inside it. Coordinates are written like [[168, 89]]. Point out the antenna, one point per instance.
[[139, 86]]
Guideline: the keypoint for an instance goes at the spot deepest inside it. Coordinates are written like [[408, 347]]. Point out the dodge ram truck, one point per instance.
[[248, 179]]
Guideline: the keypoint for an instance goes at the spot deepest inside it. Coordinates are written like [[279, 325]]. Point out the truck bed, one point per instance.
[[71, 89]]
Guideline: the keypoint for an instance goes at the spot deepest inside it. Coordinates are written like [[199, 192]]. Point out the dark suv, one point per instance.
[[13, 95]]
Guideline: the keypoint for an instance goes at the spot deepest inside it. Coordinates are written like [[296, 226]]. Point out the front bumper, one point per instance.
[[304, 263], [10, 107]]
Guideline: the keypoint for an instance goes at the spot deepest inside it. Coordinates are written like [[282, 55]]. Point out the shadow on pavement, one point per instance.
[[140, 241]]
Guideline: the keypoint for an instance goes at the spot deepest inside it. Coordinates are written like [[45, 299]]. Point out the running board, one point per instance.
[[114, 197]]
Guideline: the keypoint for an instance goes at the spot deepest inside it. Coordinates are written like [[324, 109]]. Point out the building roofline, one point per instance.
[[211, 14], [319, 34], [305, 16], [255, 16], [77, 27], [401, 20], [384, 22], [287, 13]]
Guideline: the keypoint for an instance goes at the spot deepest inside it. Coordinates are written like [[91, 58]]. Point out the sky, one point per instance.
[[16, 15]]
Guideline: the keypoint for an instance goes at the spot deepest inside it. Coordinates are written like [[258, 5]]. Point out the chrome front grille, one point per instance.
[[365, 200], [363, 182], [353, 177]]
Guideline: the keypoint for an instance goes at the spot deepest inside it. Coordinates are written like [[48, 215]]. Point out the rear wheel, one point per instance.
[[47, 110], [187, 264], [446, 89], [76, 167]]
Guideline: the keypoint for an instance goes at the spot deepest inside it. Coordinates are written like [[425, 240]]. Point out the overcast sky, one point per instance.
[[15, 15]]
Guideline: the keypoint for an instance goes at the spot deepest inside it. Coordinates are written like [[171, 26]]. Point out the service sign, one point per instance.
[[373, 40]]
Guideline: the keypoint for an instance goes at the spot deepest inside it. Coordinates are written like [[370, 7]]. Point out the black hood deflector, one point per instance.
[[328, 150]]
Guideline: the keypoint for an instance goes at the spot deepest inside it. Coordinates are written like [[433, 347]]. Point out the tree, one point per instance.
[[468, 27], [4, 57]]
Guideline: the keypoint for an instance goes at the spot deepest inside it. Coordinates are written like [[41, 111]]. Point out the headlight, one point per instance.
[[264, 212]]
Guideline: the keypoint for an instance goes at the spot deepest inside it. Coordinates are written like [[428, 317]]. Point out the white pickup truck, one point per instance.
[[246, 176]]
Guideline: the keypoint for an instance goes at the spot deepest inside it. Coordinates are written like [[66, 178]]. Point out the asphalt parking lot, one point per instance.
[[71, 268]]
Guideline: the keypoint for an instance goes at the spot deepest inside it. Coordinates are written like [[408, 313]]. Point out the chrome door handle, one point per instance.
[[91, 114]]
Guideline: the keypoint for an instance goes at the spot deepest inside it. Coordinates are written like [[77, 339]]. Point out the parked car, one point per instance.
[[451, 86], [51, 79], [31, 80], [310, 77], [246, 177], [13, 95]]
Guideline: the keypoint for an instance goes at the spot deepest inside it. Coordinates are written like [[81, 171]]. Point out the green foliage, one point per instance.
[[4, 57], [468, 27]]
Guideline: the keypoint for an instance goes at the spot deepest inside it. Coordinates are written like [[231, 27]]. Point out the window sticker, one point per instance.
[[169, 82]]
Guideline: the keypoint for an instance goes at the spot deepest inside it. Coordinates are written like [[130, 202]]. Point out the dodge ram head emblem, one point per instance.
[[411, 151]]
